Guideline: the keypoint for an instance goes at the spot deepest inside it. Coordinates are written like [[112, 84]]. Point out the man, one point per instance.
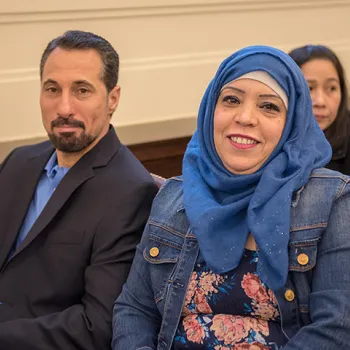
[[72, 210]]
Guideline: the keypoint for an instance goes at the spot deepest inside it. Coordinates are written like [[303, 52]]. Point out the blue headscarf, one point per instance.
[[222, 208]]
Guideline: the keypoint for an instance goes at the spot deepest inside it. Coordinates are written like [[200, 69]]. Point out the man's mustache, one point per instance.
[[60, 121]]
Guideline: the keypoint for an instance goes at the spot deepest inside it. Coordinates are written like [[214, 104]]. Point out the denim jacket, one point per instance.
[[314, 304]]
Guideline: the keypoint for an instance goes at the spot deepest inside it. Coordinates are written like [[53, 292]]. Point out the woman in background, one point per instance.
[[327, 82], [250, 249]]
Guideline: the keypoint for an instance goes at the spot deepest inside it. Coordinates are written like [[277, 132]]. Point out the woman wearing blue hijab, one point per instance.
[[250, 248]]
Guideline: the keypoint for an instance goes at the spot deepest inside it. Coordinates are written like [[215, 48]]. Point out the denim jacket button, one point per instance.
[[289, 295], [153, 252], [303, 259]]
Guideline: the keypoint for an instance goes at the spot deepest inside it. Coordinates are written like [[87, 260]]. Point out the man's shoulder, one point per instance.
[[28, 151], [123, 176], [19, 154], [126, 166]]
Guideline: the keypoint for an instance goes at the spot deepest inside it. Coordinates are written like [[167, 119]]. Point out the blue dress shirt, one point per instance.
[[51, 177]]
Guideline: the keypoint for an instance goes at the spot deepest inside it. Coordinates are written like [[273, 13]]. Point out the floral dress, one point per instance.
[[234, 310]]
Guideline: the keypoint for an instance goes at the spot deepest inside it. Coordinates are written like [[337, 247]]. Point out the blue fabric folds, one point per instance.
[[222, 208]]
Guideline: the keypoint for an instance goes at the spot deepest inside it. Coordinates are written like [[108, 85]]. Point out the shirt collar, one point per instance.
[[52, 166]]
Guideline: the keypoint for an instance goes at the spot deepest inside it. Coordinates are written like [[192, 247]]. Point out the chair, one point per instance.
[[159, 180]]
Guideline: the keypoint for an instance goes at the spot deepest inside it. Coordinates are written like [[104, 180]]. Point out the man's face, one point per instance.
[[75, 105]]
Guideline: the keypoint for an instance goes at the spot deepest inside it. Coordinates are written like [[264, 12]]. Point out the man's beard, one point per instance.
[[68, 142]]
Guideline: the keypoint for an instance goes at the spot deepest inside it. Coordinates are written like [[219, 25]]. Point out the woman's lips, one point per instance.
[[320, 116], [243, 142]]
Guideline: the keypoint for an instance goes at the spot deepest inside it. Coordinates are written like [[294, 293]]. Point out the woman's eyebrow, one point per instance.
[[270, 95], [333, 79], [233, 88]]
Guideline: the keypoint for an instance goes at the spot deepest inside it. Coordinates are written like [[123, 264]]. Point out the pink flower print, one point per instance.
[[266, 311], [186, 311], [200, 300], [191, 288], [208, 282], [253, 288], [249, 322], [229, 329], [189, 294], [194, 331], [252, 346], [258, 325], [220, 347]]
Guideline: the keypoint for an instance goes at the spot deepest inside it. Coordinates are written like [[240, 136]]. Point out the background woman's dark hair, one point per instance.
[[338, 132]]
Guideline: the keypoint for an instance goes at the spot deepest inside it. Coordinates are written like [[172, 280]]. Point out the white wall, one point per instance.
[[169, 50]]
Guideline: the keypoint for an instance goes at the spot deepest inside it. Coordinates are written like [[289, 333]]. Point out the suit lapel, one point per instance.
[[22, 198], [82, 171], [72, 180]]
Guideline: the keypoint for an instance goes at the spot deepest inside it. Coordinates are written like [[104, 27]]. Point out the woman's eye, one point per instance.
[[231, 99], [333, 88], [311, 88], [271, 107]]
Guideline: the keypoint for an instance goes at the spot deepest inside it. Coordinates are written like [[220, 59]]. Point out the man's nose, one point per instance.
[[65, 106]]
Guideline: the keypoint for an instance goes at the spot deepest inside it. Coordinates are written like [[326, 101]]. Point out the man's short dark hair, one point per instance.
[[79, 40]]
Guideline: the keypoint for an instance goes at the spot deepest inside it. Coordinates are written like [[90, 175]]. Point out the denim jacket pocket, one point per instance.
[[302, 255], [302, 260], [163, 254], [160, 250]]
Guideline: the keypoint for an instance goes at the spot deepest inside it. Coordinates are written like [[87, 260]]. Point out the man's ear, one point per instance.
[[113, 99]]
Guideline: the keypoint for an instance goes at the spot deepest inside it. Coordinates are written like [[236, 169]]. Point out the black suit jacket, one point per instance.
[[57, 290]]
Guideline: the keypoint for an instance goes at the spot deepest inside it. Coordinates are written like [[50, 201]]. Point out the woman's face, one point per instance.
[[323, 81], [249, 119]]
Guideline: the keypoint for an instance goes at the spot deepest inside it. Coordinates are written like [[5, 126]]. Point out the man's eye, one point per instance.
[[51, 89], [271, 107], [231, 99], [83, 91]]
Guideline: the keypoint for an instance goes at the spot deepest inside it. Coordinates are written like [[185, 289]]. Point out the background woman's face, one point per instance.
[[249, 119], [325, 90]]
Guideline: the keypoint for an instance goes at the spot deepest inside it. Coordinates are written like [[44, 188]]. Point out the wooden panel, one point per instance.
[[163, 158]]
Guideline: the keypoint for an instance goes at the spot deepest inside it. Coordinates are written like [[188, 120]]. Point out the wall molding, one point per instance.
[[169, 10], [163, 62], [18, 75], [131, 65], [156, 130]]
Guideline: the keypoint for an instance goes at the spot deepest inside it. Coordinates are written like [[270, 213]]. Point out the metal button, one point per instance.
[[303, 259], [153, 252], [289, 295]]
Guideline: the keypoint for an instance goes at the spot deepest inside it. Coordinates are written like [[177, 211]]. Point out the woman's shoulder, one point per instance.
[[168, 206], [327, 184], [328, 177], [171, 190], [313, 203]]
